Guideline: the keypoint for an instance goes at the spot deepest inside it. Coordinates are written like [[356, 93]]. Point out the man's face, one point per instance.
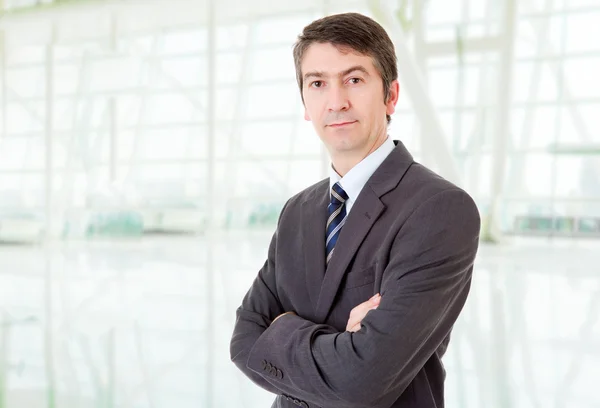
[[343, 97]]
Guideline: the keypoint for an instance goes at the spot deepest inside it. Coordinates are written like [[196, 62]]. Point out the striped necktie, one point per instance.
[[337, 218]]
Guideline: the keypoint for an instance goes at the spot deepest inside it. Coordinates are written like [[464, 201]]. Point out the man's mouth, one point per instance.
[[341, 124]]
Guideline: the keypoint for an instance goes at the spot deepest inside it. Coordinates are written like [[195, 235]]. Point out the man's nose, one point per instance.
[[338, 99]]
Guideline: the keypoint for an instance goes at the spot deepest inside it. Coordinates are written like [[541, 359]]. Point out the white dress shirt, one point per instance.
[[354, 181]]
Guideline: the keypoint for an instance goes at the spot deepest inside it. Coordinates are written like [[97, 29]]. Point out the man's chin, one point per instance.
[[342, 144]]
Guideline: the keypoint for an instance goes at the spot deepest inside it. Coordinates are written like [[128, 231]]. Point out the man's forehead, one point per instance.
[[332, 60]]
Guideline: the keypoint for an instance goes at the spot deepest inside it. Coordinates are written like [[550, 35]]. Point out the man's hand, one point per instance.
[[360, 311], [280, 316]]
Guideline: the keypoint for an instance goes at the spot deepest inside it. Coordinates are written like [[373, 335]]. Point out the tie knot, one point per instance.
[[338, 195]]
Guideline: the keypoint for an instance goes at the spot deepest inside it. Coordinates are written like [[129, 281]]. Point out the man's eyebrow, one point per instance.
[[320, 74], [354, 68], [316, 74]]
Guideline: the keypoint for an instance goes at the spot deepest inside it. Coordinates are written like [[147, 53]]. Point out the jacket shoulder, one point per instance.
[[426, 183], [308, 193]]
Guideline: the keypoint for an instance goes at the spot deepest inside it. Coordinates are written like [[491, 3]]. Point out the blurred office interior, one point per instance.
[[147, 147]]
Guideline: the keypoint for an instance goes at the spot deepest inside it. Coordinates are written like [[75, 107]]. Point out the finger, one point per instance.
[[355, 328], [359, 312], [353, 322], [375, 299], [369, 303], [358, 315]]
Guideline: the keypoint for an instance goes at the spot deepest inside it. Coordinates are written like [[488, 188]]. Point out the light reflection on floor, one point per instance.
[[127, 324]]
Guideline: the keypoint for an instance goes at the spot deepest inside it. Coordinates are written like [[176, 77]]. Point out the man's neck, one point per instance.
[[344, 162]]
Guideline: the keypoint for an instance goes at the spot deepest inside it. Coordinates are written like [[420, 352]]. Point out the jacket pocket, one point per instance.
[[355, 279]]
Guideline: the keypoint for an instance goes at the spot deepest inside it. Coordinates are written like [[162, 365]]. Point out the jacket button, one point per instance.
[[264, 364], [279, 374], [304, 404], [268, 367]]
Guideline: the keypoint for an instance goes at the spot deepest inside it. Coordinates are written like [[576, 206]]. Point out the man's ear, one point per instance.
[[306, 117], [393, 97]]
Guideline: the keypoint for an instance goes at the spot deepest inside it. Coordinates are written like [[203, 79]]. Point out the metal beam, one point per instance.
[[210, 315], [112, 109], [48, 136], [3, 64], [421, 61], [502, 136], [182, 11], [477, 133], [516, 169]]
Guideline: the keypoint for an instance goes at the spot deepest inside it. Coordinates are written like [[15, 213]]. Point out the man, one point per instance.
[[309, 329]]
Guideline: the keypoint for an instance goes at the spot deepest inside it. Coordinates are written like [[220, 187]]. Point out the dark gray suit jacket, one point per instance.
[[411, 236]]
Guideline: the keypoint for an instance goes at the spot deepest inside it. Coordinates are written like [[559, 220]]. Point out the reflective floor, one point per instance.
[[146, 323]]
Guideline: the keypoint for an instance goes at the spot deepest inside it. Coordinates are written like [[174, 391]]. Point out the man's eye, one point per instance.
[[355, 80], [316, 84]]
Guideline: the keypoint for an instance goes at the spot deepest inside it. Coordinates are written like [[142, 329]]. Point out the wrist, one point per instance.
[[281, 315]]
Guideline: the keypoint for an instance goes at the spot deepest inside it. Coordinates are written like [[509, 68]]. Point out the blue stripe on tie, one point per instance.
[[336, 218]]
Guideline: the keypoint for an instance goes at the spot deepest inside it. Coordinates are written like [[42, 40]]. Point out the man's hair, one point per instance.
[[351, 32]]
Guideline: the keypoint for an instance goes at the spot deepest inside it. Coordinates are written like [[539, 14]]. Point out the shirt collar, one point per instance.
[[354, 181]]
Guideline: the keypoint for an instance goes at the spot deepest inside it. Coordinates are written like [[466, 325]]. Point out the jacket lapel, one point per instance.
[[365, 212], [314, 217]]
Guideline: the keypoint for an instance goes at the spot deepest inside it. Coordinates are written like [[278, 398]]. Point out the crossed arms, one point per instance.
[[423, 290]]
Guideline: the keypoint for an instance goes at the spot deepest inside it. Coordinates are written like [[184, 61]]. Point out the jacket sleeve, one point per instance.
[[259, 307], [424, 288]]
